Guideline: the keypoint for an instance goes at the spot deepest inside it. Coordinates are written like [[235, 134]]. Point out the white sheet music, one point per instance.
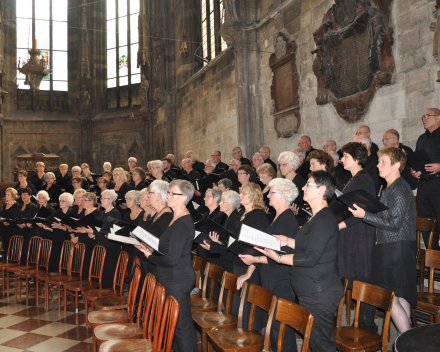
[[231, 240], [115, 228], [146, 237], [123, 239], [258, 238], [196, 234], [338, 193], [195, 205]]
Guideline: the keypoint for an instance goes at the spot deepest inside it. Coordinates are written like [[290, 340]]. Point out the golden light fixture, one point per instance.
[[35, 69]]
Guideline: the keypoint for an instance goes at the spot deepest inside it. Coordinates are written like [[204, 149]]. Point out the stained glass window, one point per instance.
[[45, 21], [212, 18], [122, 47]]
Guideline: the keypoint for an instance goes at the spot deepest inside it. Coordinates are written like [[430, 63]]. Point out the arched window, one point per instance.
[[123, 75], [212, 18]]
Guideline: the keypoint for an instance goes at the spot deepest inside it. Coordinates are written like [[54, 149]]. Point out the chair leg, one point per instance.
[[413, 317], [37, 287], [59, 300], [65, 302], [27, 291], [204, 341], [87, 311], [3, 282], [348, 303], [76, 307], [7, 284]]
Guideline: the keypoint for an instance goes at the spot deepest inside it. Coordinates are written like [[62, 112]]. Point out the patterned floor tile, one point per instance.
[[10, 320], [54, 329], [29, 325], [30, 312], [6, 335], [81, 347], [55, 344], [79, 333], [26, 341]]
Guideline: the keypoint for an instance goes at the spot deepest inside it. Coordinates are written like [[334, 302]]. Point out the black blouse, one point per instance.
[[141, 185], [64, 182], [54, 193], [38, 182], [158, 227], [12, 213], [20, 189], [29, 211]]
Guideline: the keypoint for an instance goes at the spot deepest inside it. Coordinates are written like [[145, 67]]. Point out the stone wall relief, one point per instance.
[[353, 55]]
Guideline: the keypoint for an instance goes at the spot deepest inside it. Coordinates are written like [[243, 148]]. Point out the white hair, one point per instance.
[[106, 164], [49, 174], [157, 163], [212, 162], [233, 198], [44, 194], [132, 158], [68, 197], [76, 168], [259, 156], [160, 187], [110, 193], [285, 187], [290, 158], [301, 153]]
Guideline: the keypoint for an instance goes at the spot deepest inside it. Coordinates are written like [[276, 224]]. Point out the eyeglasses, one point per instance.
[[223, 202], [136, 174], [426, 116], [308, 184], [174, 194], [301, 143], [241, 173], [74, 182], [232, 164], [105, 198], [262, 177], [152, 192], [116, 175], [208, 197], [282, 165], [387, 139], [213, 155], [64, 201], [270, 192]]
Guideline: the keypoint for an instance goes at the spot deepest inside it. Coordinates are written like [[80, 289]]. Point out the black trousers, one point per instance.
[[323, 306], [428, 203]]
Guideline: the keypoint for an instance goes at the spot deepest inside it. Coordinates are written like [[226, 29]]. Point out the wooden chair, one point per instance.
[[97, 318], [353, 338], [145, 325], [63, 268], [298, 318], [344, 282], [118, 285], [215, 274], [13, 257], [428, 225], [31, 261], [75, 288], [219, 320], [429, 301], [199, 265], [162, 340], [246, 340], [42, 267], [74, 273]]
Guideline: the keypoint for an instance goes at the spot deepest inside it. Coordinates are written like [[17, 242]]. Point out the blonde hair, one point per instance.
[[63, 166], [80, 192], [40, 163], [13, 192], [121, 171], [255, 195]]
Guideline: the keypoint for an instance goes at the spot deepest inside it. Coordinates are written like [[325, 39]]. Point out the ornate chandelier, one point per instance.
[[35, 68]]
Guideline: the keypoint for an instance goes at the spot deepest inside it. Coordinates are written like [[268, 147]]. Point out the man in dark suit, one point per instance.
[[305, 143], [167, 169], [237, 155], [265, 151], [219, 165]]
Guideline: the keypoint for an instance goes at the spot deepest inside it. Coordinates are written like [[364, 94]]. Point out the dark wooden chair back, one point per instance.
[[66, 250], [164, 340], [132, 292], [266, 300], [215, 273], [432, 261], [425, 224], [145, 300], [33, 251], [44, 254], [199, 264], [97, 264], [77, 260], [15, 249], [295, 316], [344, 282], [229, 283], [152, 329], [121, 270]]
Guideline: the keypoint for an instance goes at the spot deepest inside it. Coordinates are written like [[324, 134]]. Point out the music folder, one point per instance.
[[201, 209], [362, 199], [42, 214], [214, 178], [341, 211], [120, 227], [418, 160], [11, 221], [146, 237]]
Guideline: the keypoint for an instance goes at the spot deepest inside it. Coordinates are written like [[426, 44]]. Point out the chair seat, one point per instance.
[[29, 273], [45, 275], [203, 304], [7, 265], [211, 320], [428, 301], [108, 317], [60, 279], [140, 345], [236, 339], [97, 293], [111, 303], [80, 285], [117, 331], [356, 339], [20, 268]]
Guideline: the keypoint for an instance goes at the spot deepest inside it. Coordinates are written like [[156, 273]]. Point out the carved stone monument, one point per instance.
[[284, 88], [84, 103], [353, 55]]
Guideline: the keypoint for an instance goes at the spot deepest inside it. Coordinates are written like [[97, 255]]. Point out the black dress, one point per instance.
[[58, 237], [357, 240], [38, 182], [65, 182], [125, 187], [175, 271], [113, 250], [129, 248], [90, 244], [6, 232], [54, 194], [299, 182], [276, 277], [29, 212], [257, 219], [141, 185]]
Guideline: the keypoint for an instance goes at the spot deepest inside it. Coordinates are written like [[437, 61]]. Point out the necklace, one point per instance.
[[135, 214]]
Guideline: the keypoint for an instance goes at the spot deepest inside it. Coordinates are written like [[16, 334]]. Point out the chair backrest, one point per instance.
[[425, 224], [132, 292], [66, 250], [344, 282], [97, 264], [164, 341], [15, 249], [144, 305], [33, 250], [152, 329], [44, 254], [215, 273], [229, 283], [77, 260], [199, 265], [121, 270], [266, 300], [432, 261], [295, 316], [375, 296]]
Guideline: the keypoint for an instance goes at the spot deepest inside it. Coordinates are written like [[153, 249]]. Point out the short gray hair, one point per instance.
[[233, 198], [160, 187], [259, 155], [285, 187], [67, 196], [157, 163], [132, 158], [44, 193], [367, 140], [216, 193], [76, 168], [334, 155], [237, 161], [226, 182], [106, 163], [300, 153], [290, 158], [136, 195], [110, 193], [237, 149], [186, 160], [49, 174], [212, 162], [185, 187]]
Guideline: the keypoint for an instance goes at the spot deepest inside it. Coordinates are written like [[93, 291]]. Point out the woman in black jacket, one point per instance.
[[121, 188], [10, 210], [52, 189], [27, 211]]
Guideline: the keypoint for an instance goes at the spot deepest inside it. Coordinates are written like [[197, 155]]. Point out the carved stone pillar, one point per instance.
[[83, 59], [435, 27], [143, 54]]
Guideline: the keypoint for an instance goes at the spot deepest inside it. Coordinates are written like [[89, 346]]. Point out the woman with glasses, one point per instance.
[[174, 268], [76, 183], [102, 184], [64, 180], [27, 211], [52, 189], [244, 175], [132, 199], [274, 276], [22, 184], [138, 177], [77, 211], [121, 188], [313, 266], [10, 210], [266, 173]]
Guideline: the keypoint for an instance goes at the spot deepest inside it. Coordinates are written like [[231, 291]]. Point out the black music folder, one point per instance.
[[418, 160], [362, 199]]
